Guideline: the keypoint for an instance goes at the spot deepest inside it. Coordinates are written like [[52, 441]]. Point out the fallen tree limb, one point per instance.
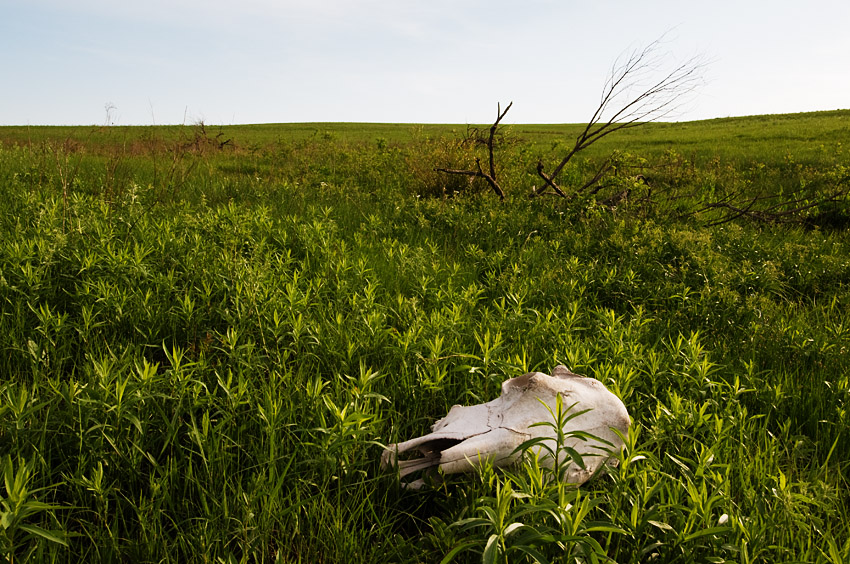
[[489, 177], [629, 100]]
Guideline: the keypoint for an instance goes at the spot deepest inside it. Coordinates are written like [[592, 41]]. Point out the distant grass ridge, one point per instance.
[[204, 347]]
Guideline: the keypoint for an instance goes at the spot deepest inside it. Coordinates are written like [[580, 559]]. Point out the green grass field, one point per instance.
[[208, 333]]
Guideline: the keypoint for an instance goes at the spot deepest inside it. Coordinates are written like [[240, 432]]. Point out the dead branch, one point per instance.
[[632, 97], [592, 183], [479, 173], [753, 208], [493, 128], [549, 183], [606, 166]]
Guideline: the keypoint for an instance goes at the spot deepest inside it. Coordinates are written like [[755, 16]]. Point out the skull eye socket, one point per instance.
[[519, 381]]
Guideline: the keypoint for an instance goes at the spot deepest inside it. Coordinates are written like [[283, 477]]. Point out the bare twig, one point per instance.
[[787, 210], [631, 97], [606, 166], [479, 173]]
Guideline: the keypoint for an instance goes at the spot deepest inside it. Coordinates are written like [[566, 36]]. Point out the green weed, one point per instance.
[[204, 346]]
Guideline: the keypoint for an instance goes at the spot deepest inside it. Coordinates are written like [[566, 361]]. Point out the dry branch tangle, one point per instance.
[[479, 173]]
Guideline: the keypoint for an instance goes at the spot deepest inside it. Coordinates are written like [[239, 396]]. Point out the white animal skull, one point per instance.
[[469, 435]]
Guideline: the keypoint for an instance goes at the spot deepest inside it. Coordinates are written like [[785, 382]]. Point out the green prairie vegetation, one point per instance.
[[208, 334]]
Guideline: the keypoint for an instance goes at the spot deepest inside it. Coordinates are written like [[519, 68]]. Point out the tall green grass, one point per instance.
[[204, 350]]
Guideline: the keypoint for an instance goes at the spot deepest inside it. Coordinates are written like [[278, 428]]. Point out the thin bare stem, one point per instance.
[[631, 97], [479, 172]]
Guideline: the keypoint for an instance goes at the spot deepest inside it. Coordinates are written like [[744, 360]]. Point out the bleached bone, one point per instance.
[[470, 435]]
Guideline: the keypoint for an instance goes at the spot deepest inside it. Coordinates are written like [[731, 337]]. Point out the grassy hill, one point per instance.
[[208, 333]]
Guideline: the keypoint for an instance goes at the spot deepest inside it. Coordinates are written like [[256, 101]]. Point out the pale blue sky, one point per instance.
[[447, 61]]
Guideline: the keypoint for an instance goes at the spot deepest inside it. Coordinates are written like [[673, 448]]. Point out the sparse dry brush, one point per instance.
[[639, 90]]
